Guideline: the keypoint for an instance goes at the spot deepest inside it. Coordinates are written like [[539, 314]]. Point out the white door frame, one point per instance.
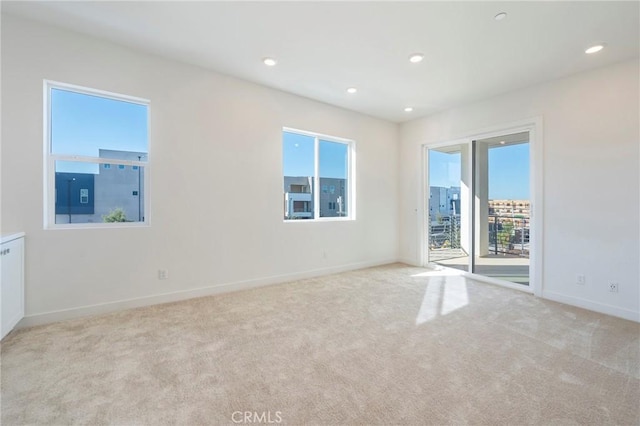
[[535, 129]]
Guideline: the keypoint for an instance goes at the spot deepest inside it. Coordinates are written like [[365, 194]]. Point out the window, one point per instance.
[[311, 162], [301, 206], [299, 189], [88, 131]]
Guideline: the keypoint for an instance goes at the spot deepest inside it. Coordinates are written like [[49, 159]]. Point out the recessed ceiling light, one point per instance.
[[414, 58], [502, 142], [595, 48], [352, 90], [269, 62], [408, 109], [500, 16]]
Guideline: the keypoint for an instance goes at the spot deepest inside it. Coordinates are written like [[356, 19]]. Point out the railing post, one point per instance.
[[495, 234]]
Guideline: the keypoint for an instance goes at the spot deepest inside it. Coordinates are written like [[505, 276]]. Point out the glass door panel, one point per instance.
[[448, 224], [502, 208]]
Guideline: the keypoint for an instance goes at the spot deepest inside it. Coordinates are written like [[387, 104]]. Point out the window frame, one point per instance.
[[350, 189], [49, 163]]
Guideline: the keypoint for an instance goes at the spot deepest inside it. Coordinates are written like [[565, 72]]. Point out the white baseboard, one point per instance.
[[592, 306], [119, 305], [409, 261]]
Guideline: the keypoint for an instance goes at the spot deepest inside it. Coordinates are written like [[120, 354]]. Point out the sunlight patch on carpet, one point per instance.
[[442, 298]]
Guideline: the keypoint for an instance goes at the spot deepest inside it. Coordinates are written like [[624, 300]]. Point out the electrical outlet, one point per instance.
[[613, 287], [163, 274], [580, 279]]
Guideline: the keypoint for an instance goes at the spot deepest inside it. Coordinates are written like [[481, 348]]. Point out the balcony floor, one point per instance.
[[505, 267]]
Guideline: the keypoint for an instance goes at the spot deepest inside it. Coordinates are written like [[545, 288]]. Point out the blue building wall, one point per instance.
[[69, 188]]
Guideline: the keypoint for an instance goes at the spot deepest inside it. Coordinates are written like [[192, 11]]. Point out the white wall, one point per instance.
[[216, 181], [591, 180]]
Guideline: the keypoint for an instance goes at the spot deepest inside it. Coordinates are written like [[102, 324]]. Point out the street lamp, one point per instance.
[[69, 196]]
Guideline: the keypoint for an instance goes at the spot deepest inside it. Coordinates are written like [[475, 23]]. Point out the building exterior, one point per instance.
[[299, 200], [333, 197], [90, 197], [120, 186], [443, 202], [74, 195], [509, 207], [298, 197]]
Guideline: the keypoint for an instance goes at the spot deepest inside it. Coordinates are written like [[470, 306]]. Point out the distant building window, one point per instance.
[[135, 193], [88, 131], [313, 158], [301, 206], [299, 189], [135, 167]]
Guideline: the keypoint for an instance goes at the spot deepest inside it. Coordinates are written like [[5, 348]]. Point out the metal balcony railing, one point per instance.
[[444, 233], [508, 234]]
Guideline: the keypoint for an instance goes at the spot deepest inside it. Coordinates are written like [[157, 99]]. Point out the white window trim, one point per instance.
[[351, 176], [49, 195]]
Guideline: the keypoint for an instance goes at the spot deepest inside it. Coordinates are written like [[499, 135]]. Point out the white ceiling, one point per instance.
[[323, 48]]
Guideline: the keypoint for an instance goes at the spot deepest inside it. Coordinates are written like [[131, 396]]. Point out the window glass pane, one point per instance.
[[298, 152], [84, 195], [87, 125], [333, 170], [87, 193]]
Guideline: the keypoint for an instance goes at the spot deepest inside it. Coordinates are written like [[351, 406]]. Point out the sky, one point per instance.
[[298, 157], [508, 171], [82, 124]]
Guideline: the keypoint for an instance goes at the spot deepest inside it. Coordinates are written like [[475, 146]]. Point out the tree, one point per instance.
[[504, 235], [115, 215]]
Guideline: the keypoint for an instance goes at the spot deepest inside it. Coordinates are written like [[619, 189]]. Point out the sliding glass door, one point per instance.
[[478, 217]]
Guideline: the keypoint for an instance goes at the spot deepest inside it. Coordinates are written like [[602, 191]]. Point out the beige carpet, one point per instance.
[[386, 345]]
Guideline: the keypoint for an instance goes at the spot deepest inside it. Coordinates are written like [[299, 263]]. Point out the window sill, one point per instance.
[[115, 225], [322, 219]]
